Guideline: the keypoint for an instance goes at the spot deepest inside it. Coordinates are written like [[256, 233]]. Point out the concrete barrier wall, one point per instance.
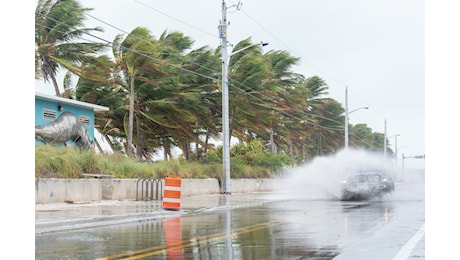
[[200, 186], [60, 190], [252, 185], [51, 190]]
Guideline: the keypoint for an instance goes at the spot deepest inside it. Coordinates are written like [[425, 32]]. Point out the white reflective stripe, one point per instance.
[[405, 251], [171, 200], [172, 188]]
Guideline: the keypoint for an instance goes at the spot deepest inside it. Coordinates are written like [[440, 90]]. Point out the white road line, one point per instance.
[[405, 251]]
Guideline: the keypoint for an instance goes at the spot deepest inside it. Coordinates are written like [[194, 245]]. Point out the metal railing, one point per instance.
[[151, 189]]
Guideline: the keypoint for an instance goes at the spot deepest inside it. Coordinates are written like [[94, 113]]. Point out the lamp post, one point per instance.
[[385, 141], [396, 150], [346, 116], [225, 99], [396, 147], [399, 150]]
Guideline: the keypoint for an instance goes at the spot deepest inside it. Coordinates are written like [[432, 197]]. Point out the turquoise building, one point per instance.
[[48, 109]]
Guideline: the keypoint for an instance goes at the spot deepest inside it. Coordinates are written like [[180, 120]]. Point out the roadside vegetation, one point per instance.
[[249, 161]]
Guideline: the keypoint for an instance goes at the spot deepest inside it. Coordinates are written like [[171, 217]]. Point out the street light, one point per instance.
[[261, 43], [225, 115], [346, 116], [399, 150], [357, 109], [396, 147]]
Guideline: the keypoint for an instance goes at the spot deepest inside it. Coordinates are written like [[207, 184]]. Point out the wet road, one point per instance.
[[254, 226]]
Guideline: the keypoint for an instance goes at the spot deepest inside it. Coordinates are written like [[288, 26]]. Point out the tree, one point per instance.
[[286, 102], [162, 105], [329, 130], [247, 71], [205, 63], [135, 55], [161, 96], [58, 26], [106, 91]]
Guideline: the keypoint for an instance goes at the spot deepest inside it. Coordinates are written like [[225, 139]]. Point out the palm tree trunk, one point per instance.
[[98, 146], [130, 117], [167, 149], [55, 84], [206, 141], [197, 149], [140, 140], [320, 146], [272, 142], [186, 149]]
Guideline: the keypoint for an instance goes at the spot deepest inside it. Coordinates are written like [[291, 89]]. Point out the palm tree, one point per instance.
[[205, 63], [362, 136], [135, 55], [286, 101], [106, 91], [247, 71], [329, 114], [164, 104], [58, 27], [326, 136]]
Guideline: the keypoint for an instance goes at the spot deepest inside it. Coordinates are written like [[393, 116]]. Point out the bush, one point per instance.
[[248, 161]]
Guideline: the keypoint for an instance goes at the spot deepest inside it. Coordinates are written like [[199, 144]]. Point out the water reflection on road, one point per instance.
[[260, 228]]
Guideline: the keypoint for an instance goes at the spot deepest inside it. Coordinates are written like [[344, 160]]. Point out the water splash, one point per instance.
[[322, 177]]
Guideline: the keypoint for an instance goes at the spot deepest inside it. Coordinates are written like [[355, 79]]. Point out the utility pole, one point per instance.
[[346, 118], [225, 98], [396, 150], [402, 167], [225, 116], [385, 141]]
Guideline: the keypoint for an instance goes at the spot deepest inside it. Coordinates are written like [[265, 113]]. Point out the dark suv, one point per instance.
[[366, 185]]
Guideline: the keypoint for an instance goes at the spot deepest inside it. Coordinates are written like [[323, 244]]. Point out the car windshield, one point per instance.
[[366, 178]]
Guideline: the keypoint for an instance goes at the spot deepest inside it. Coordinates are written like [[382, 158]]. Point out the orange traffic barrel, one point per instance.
[[173, 238], [171, 196]]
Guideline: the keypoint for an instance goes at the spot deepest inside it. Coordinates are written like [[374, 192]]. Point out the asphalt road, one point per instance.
[[237, 226]]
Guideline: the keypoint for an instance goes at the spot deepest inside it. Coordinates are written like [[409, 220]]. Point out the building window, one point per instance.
[[84, 120], [49, 114]]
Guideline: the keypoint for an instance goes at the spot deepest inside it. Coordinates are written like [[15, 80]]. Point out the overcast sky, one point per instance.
[[375, 48]]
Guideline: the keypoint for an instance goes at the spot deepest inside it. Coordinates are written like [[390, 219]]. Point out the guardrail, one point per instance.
[[153, 189]]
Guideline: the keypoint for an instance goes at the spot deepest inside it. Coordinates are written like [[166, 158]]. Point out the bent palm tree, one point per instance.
[[58, 24]]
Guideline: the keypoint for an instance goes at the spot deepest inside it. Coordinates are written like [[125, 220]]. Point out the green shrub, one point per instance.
[[248, 161]]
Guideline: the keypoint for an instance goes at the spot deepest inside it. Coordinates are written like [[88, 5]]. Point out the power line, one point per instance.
[[180, 21], [287, 47], [202, 75], [137, 52], [199, 74]]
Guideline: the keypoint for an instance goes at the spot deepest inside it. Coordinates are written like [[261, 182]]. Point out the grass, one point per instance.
[[69, 163]]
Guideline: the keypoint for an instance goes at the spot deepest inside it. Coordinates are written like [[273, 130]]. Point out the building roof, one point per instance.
[[70, 101]]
